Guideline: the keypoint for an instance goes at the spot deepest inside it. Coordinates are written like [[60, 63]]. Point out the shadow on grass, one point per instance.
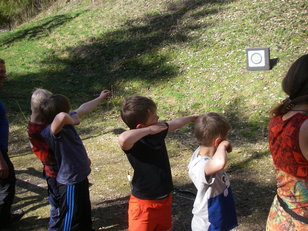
[[252, 198], [111, 214], [111, 60], [31, 172], [242, 165], [30, 182], [245, 129], [18, 149], [40, 30], [252, 202], [29, 197], [30, 224], [39, 199]]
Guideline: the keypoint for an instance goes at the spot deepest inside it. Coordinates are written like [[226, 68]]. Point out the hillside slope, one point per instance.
[[188, 55]]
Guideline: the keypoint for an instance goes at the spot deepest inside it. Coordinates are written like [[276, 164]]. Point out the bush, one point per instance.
[[14, 12]]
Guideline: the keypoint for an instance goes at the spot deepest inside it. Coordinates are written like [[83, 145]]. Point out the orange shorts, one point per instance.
[[149, 215]]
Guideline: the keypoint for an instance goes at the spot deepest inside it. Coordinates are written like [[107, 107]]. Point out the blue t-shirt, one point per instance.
[[4, 128], [70, 153]]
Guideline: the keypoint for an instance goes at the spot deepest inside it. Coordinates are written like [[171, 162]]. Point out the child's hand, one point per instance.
[[157, 128], [105, 94], [194, 118], [225, 145], [75, 119]]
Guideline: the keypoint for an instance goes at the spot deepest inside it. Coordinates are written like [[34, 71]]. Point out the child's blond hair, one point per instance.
[[38, 96]]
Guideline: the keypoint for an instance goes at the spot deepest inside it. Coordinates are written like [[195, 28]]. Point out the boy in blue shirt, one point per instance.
[[214, 207], [72, 159]]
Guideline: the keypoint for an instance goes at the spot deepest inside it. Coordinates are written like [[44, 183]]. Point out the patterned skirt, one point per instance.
[[279, 220]]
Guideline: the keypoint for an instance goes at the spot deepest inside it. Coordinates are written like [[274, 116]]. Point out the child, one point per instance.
[[45, 155], [72, 159], [214, 207], [144, 144]]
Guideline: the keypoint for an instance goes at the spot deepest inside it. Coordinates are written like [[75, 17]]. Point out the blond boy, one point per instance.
[[41, 149]]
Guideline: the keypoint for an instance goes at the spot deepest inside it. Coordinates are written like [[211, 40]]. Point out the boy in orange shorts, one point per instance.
[[144, 144]]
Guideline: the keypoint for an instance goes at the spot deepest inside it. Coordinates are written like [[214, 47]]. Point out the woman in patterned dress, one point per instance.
[[288, 142]]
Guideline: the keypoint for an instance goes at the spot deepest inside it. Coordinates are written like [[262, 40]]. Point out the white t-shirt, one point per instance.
[[214, 207]]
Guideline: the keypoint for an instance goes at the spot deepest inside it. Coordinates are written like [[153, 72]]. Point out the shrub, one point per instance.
[[14, 12]]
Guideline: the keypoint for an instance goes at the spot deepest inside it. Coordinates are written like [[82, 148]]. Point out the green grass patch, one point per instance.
[[189, 56]]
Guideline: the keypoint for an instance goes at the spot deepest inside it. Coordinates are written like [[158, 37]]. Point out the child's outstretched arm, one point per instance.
[[180, 122], [219, 159], [87, 107], [128, 138]]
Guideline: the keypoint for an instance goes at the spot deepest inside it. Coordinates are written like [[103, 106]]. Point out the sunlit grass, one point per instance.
[[188, 56]]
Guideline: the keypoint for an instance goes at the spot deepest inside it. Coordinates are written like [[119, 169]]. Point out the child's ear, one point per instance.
[[217, 141], [139, 126]]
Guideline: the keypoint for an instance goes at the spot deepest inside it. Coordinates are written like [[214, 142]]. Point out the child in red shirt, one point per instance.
[[44, 154]]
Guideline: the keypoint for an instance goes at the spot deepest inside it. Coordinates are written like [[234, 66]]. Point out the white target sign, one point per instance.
[[258, 59]]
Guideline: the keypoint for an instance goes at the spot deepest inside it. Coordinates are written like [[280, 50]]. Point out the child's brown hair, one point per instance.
[[136, 110], [53, 105], [209, 127]]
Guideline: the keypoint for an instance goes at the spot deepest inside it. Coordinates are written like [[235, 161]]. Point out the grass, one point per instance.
[[189, 56], [15, 12]]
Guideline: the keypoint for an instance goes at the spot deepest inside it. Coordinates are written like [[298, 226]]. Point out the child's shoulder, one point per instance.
[[197, 160], [35, 128]]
